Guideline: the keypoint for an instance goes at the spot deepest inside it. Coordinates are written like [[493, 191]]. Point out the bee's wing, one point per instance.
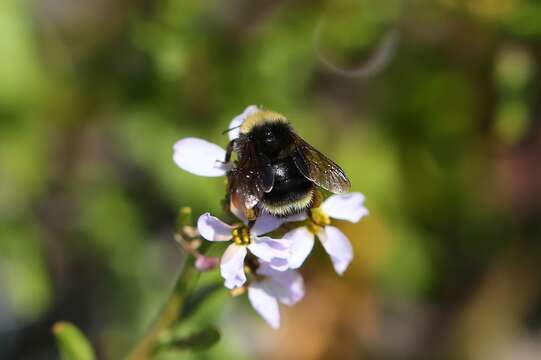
[[318, 168], [251, 178]]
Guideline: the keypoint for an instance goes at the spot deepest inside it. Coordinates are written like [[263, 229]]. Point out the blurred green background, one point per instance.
[[443, 137]]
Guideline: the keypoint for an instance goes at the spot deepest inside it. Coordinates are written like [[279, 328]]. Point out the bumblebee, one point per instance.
[[276, 170]]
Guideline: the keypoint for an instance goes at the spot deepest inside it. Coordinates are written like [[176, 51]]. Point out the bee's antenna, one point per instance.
[[228, 130]]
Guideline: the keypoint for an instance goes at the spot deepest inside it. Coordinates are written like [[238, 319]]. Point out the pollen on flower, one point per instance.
[[238, 291], [318, 220], [241, 235]]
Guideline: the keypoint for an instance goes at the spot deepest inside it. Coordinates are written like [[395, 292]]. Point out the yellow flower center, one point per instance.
[[241, 235], [318, 220]]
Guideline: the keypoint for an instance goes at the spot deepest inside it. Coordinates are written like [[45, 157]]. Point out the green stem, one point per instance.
[[171, 312]]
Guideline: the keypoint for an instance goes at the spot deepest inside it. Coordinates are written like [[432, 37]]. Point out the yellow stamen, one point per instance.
[[241, 235], [238, 291], [318, 220]]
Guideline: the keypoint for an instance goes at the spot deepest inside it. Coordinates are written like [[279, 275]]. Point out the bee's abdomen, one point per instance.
[[291, 193]]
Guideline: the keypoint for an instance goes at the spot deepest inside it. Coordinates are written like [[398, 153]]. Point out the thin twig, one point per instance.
[[187, 238], [171, 312]]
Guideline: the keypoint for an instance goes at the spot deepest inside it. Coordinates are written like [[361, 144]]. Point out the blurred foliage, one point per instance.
[[444, 141], [201, 340], [72, 343]]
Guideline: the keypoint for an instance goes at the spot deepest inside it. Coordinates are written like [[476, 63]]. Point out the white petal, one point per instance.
[[338, 247], [302, 242], [266, 223], [232, 266], [287, 286], [199, 157], [264, 304], [279, 264], [294, 291], [267, 249], [214, 229], [239, 119], [345, 207]]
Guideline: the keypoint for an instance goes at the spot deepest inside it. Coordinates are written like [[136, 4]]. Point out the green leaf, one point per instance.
[[72, 343], [195, 300], [197, 341]]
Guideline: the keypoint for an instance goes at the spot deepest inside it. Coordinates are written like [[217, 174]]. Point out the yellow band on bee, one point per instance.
[[260, 117], [292, 207]]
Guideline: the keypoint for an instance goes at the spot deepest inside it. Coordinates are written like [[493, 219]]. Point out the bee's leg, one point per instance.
[[229, 151], [316, 199], [251, 215], [316, 202]]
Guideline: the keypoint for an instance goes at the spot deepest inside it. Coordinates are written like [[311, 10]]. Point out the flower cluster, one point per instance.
[[264, 266]]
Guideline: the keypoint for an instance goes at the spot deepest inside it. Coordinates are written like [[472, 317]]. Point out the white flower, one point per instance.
[[286, 287], [235, 124], [273, 251], [204, 158], [348, 207]]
